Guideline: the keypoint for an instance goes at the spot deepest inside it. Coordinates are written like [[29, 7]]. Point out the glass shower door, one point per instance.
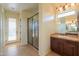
[[35, 31]]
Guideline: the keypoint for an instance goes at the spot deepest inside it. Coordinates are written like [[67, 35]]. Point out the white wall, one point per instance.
[[45, 27], [0, 27], [23, 28], [4, 30]]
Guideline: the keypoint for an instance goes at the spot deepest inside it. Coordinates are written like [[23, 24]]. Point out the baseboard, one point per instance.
[[48, 51], [44, 53]]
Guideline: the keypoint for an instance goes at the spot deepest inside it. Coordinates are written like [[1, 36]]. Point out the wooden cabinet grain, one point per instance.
[[69, 49], [60, 45], [64, 47], [77, 49], [54, 45]]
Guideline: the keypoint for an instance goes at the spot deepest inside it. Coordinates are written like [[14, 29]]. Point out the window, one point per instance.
[[12, 29]]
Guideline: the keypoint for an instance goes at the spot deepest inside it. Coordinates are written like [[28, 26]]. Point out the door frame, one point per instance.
[[8, 42]]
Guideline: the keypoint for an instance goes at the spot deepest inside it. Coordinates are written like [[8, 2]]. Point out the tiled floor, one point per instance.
[[51, 53], [18, 50]]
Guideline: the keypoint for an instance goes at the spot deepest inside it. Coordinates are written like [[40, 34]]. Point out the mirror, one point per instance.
[[71, 23], [61, 25], [67, 24]]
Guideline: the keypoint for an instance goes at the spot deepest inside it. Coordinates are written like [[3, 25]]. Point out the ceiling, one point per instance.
[[19, 6]]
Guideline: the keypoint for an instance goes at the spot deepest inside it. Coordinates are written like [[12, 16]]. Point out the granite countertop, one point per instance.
[[66, 37]]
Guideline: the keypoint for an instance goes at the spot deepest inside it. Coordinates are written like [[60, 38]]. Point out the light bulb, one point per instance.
[[61, 9], [72, 4]]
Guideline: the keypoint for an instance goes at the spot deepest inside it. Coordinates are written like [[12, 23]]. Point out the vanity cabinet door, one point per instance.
[[77, 49], [54, 44], [57, 45], [69, 48], [60, 46]]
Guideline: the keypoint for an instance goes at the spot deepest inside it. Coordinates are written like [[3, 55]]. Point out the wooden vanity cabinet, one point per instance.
[[64, 47], [60, 45], [69, 48], [78, 51], [56, 45], [77, 44]]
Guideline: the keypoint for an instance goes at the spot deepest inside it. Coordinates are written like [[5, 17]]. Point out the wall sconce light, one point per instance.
[[67, 6], [72, 4], [61, 9]]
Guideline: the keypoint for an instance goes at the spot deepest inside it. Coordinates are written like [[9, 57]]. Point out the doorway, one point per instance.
[[12, 36]]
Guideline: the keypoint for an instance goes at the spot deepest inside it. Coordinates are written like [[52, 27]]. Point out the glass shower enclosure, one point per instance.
[[33, 31]]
